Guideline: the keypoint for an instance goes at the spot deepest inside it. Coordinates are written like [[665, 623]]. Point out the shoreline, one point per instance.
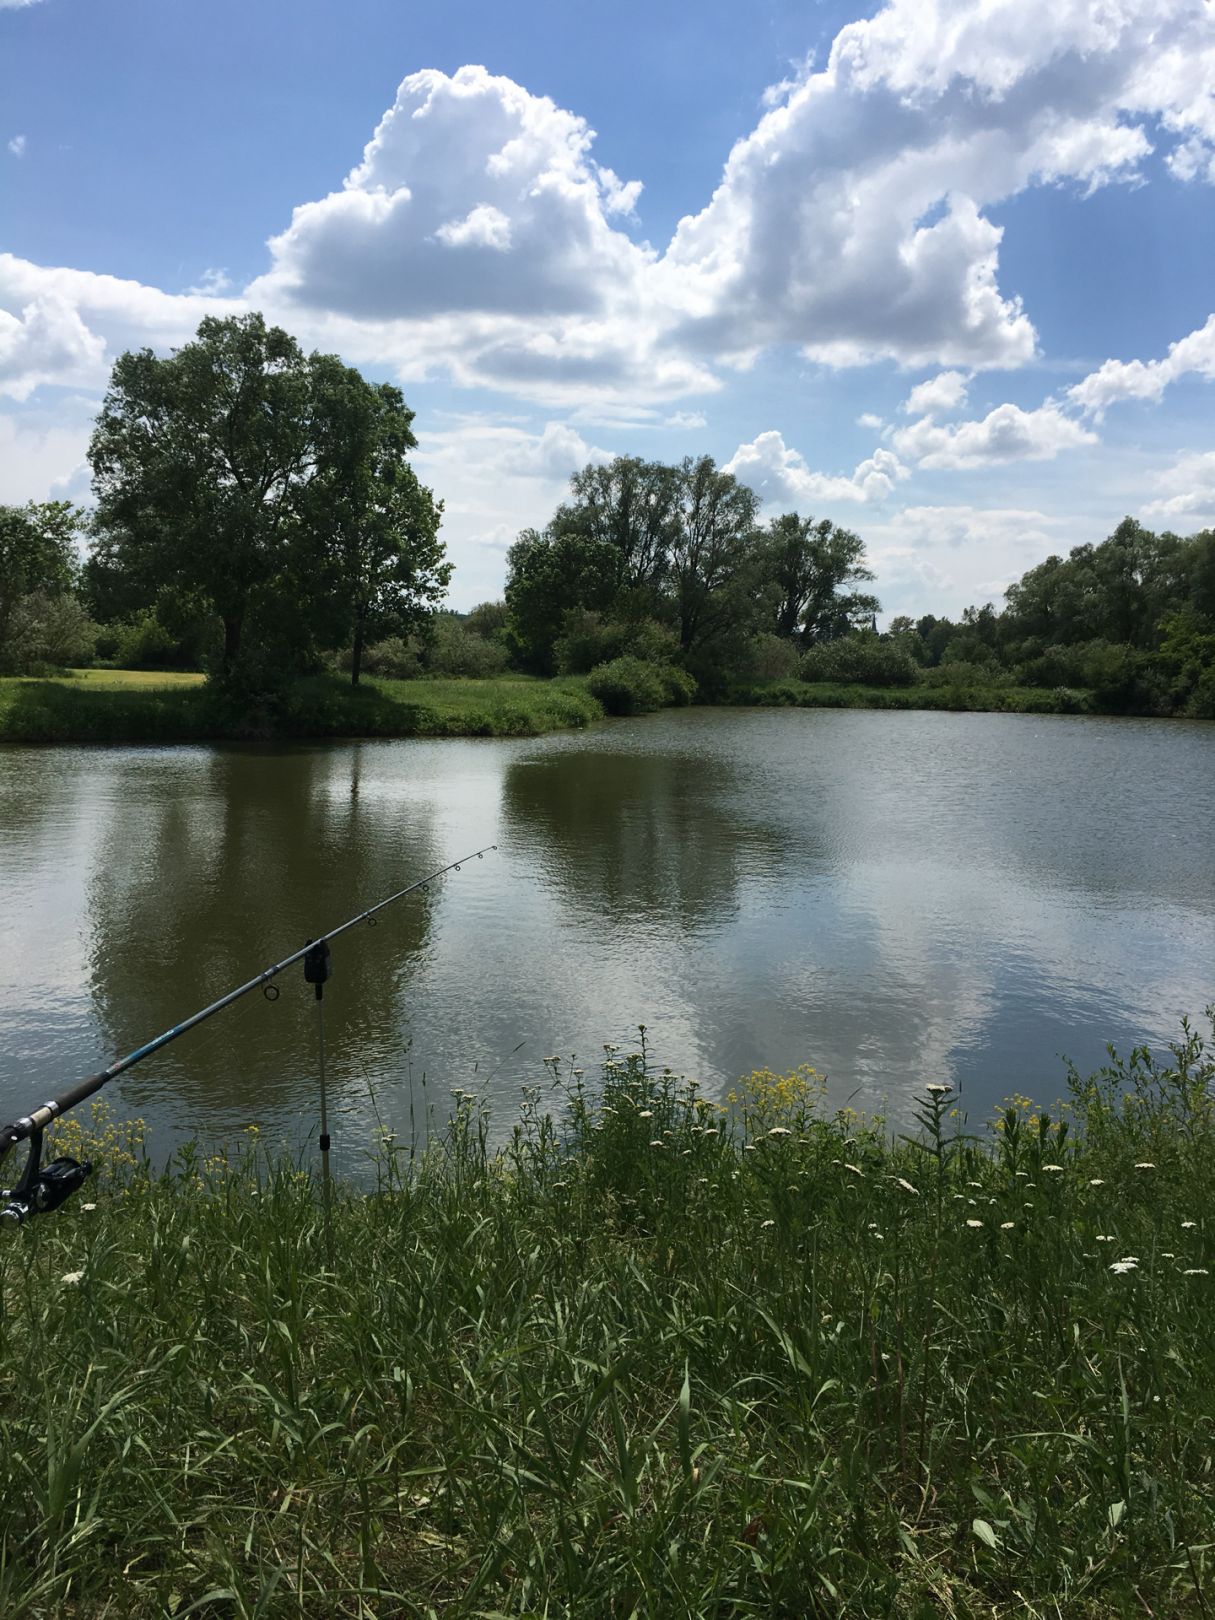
[[132, 707]]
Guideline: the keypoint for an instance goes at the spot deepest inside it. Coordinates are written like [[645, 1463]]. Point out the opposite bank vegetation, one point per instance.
[[136, 706], [650, 1358]]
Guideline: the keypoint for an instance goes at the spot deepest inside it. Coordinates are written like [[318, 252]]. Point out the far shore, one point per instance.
[[166, 706]]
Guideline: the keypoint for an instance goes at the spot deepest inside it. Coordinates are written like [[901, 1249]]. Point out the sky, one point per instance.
[[937, 270]]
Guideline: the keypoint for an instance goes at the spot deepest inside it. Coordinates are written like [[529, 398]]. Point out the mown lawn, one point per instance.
[[652, 1359]]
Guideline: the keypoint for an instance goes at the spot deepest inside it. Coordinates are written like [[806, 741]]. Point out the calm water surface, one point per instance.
[[895, 898]]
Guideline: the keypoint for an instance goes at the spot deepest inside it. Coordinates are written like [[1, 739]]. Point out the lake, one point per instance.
[[894, 898]]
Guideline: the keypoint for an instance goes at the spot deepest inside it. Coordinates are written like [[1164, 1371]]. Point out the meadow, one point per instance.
[[137, 706], [653, 1357]]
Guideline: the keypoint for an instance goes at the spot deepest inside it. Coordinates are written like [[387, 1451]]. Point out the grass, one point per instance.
[[649, 1359], [135, 706], [838, 695]]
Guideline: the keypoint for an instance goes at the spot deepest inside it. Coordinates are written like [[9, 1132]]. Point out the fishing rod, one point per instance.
[[44, 1187]]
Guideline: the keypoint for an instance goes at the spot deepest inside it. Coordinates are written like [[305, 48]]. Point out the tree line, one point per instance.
[[256, 515]]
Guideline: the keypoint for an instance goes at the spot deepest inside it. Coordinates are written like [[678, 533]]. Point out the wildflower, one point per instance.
[[1167, 1254], [1185, 1225], [780, 1130], [1196, 1271], [1028, 1204], [72, 1276], [1054, 1169], [1096, 1182], [906, 1185], [974, 1223], [608, 1047], [1121, 1266], [579, 1072], [873, 1226], [879, 1236], [1007, 1226], [1145, 1164], [977, 1184], [855, 1168], [702, 1181], [1023, 1174], [763, 1224], [94, 1206], [658, 1142], [1104, 1237], [936, 1089], [749, 1147]]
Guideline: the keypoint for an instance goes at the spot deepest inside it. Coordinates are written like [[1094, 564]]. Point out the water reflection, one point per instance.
[[639, 840], [893, 897], [204, 876]]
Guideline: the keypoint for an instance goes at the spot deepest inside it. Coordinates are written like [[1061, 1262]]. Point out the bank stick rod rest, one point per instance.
[[43, 1188], [318, 969]]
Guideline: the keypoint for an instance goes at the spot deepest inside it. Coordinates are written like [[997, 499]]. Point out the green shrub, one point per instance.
[[863, 659], [629, 686], [772, 658], [48, 632]]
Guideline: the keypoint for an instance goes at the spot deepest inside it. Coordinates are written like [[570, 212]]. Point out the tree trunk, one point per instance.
[[356, 657], [232, 630]]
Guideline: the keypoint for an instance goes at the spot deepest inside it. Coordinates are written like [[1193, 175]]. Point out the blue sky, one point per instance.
[[939, 272]]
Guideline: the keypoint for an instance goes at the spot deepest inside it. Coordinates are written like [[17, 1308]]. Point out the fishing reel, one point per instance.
[[43, 1187]]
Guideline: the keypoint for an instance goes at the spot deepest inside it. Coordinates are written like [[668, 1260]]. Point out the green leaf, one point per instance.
[[1117, 1509], [984, 1532]]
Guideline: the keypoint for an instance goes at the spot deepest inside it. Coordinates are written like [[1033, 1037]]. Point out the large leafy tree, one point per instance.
[[270, 483], [37, 553], [816, 568]]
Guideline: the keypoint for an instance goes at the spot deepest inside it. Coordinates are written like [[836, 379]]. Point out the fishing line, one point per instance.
[[42, 1188]]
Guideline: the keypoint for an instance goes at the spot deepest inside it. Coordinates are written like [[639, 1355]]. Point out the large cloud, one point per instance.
[[479, 237], [850, 222], [783, 477], [1006, 434]]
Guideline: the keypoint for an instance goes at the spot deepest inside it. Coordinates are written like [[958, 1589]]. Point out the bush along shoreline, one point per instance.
[[650, 1357]]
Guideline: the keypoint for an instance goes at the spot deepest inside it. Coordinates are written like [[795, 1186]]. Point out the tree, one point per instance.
[[631, 507], [272, 484], [37, 553], [712, 542], [378, 527], [547, 576], [813, 566]]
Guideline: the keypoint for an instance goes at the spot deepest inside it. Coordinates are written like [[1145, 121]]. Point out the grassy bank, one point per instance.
[[836, 695], [650, 1360], [104, 706]]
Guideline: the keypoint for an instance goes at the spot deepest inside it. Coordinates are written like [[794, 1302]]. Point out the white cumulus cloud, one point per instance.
[[938, 395], [17, 146], [1006, 434], [47, 342], [1187, 498], [783, 477], [1147, 379]]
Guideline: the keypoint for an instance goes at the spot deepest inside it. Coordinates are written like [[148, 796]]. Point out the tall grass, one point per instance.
[[651, 1358]]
